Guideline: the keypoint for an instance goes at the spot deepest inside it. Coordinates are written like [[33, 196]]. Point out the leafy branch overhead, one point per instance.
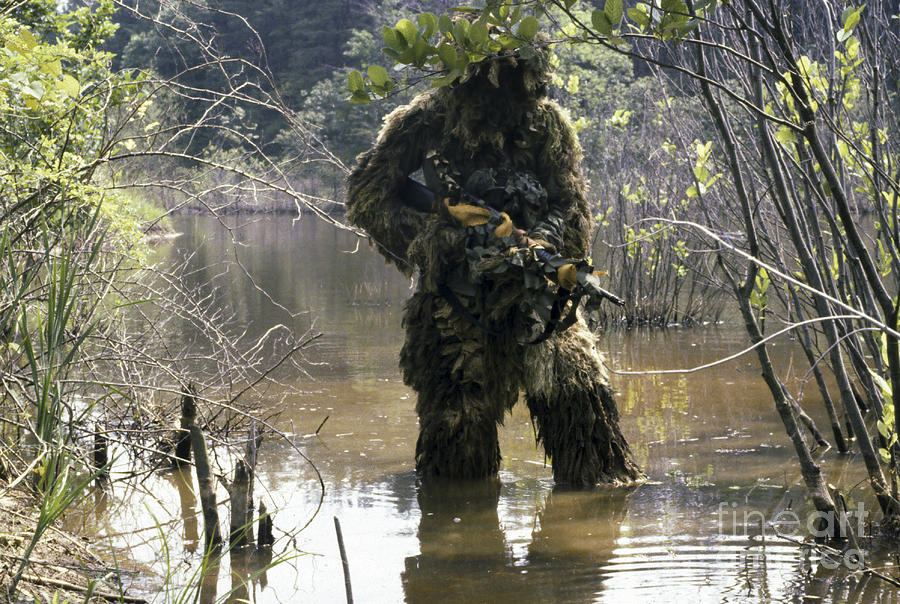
[[443, 46]]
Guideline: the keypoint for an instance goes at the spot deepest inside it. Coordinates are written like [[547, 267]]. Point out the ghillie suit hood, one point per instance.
[[496, 97]]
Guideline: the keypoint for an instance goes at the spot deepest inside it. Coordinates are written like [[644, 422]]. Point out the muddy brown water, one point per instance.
[[710, 442]]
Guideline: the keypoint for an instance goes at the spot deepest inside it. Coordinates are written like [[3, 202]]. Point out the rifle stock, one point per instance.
[[417, 196]]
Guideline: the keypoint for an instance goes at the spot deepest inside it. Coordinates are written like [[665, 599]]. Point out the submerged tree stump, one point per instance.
[[183, 439], [240, 517], [264, 537], [242, 492], [100, 454], [207, 491], [254, 440]]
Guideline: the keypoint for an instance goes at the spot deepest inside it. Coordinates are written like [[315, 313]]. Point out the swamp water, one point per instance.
[[711, 443]]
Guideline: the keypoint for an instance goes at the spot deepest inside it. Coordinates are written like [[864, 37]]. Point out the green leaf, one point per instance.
[[691, 26], [448, 79], [758, 297], [884, 386], [613, 10], [378, 75], [27, 38], [355, 82], [639, 17], [429, 22], [703, 150], [33, 89], [853, 18], [407, 57], [676, 8], [528, 28], [478, 33], [785, 136], [570, 3], [408, 30], [447, 53], [421, 51], [70, 85], [601, 22], [360, 98], [445, 25], [393, 39], [701, 173], [461, 31], [509, 42], [885, 454], [53, 68]]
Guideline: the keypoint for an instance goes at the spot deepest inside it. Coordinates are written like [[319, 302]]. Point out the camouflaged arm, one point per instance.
[[550, 231], [373, 187], [569, 216]]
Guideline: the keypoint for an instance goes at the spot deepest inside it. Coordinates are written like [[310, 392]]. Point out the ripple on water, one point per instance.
[[728, 570]]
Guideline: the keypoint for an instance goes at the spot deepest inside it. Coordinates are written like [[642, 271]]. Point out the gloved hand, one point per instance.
[[523, 240]]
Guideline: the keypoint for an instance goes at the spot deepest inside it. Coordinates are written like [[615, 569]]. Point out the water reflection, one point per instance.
[[578, 531], [182, 480], [209, 583], [461, 544], [248, 574], [464, 554]]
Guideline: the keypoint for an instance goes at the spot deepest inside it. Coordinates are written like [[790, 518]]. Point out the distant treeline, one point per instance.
[[308, 47], [305, 45]]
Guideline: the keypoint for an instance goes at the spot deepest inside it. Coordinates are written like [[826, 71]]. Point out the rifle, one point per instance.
[[576, 279]]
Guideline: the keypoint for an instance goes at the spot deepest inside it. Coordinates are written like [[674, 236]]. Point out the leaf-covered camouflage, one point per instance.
[[513, 145]]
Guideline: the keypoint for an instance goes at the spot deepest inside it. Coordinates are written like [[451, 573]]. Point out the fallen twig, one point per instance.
[[113, 597]]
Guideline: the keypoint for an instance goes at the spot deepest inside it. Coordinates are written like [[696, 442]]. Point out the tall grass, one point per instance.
[[46, 321]]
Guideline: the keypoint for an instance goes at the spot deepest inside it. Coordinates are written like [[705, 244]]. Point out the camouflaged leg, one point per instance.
[[572, 406], [444, 362]]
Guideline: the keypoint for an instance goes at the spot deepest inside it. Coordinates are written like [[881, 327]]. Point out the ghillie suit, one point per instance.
[[496, 135]]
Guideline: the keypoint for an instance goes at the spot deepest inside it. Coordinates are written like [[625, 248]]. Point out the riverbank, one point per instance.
[[269, 207], [62, 566]]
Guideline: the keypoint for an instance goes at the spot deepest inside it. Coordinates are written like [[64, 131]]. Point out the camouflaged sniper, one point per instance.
[[496, 135]]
